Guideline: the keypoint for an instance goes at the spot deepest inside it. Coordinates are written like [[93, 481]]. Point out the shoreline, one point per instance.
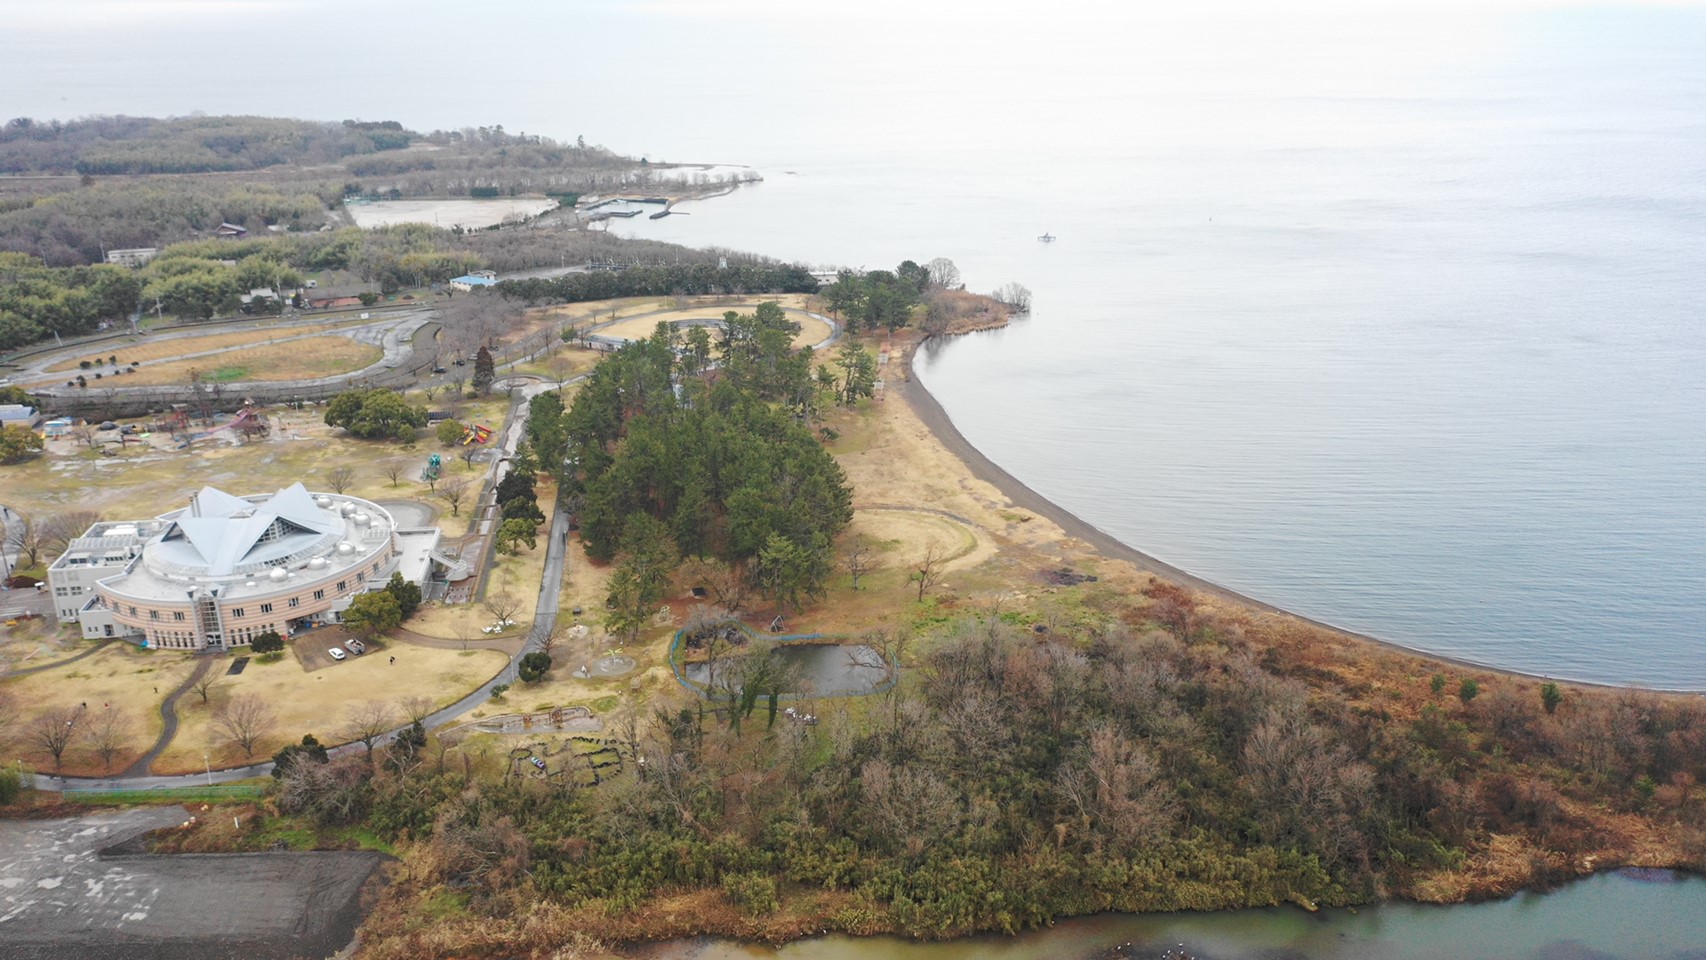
[[935, 417]]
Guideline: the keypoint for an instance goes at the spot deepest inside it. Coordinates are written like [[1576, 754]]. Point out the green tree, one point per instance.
[[14, 394], [790, 573], [194, 288], [375, 414], [641, 577], [407, 593], [523, 508], [1436, 683], [858, 373], [309, 750], [1550, 697], [267, 642], [1468, 690], [405, 748], [372, 613], [485, 371], [514, 533], [18, 443], [450, 432], [533, 666]]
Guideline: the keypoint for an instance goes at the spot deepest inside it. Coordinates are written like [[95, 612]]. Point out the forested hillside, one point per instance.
[[197, 144], [71, 190]]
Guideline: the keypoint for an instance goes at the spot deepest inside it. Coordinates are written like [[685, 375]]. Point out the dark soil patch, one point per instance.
[[1066, 577]]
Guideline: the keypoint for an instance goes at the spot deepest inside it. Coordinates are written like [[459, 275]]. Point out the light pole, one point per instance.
[[208, 762]]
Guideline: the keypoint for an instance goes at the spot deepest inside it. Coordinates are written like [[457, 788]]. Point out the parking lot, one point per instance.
[[59, 897], [311, 648]]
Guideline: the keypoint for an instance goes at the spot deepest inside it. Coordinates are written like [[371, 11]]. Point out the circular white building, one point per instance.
[[226, 569]]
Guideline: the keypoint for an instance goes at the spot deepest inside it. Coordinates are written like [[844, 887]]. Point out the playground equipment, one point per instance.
[[431, 472], [243, 416], [478, 433]]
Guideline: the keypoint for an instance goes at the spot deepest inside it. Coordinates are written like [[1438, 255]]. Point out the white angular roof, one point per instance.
[[221, 532]]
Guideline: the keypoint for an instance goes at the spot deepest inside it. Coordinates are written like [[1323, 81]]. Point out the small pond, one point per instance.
[[822, 669]]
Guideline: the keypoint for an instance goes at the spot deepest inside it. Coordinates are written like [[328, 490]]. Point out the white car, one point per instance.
[[336, 653], [355, 646]]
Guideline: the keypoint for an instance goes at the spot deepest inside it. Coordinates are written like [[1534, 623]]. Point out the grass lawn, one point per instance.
[[136, 680], [565, 363], [812, 331], [293, 360], [517, 576], [315, 701]]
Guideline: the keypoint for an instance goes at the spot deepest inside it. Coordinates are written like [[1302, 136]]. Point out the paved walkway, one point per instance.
[[26, 671], [168, 720]]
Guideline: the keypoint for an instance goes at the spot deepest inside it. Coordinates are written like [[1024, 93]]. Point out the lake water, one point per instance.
[[1608, 917]]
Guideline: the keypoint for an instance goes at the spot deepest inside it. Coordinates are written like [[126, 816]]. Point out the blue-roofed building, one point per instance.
[[479, 278]]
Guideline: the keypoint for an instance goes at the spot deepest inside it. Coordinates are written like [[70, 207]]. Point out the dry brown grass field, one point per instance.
[[162, 346], [135, 680], [317, 701], [292, 360]]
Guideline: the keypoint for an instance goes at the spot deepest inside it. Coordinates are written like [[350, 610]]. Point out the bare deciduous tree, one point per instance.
[[59, 530], [54, 731], [395, 469], [417, 708], [928, 569], [908, 804], [726, 584], [1014, 295], [205, 683], [445, 741], [858, 557], [108, 733], [453, 491], [245, 720], [366, 721], [549, 641], [560, 365], [26, 536], [502, 605], [943, 273], [340, 479]]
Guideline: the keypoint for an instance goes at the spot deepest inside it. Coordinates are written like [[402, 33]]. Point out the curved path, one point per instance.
[[26, 671], [168, 721]]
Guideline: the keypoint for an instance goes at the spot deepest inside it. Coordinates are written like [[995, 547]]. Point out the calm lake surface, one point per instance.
[[1602, 918]]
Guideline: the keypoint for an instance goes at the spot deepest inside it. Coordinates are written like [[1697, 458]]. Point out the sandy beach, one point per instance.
[[930, 412]]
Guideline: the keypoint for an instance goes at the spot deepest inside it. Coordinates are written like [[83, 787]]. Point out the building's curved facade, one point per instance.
[[226, 569]]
